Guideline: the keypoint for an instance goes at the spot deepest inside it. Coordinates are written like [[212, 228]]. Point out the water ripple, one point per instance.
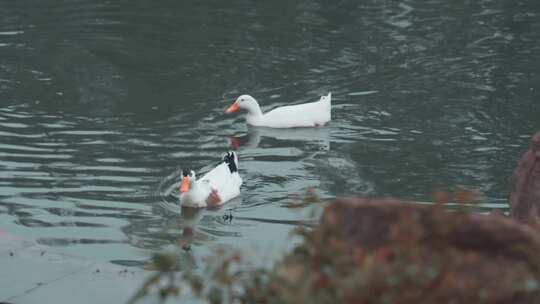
[[105, 102]]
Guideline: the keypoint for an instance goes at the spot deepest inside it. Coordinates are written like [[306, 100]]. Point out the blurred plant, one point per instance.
[[327, 268]]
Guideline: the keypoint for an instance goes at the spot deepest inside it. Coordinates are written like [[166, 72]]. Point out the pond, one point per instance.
[[104, 102]]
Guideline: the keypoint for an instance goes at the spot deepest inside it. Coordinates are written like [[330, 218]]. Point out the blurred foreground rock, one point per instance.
[[525, 195], [389, 251]]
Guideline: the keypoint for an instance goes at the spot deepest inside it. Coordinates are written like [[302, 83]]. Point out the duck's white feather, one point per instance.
[[311, 114], [196, 196], [220, 179], [226, 183]]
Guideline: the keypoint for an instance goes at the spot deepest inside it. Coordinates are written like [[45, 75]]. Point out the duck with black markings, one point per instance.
[[215, 188]]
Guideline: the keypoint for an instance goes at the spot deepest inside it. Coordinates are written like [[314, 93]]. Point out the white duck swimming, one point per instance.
[[215, 188], [311, 114]]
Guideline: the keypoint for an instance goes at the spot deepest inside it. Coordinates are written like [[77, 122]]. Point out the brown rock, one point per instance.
[[525, 195], [464, 258]]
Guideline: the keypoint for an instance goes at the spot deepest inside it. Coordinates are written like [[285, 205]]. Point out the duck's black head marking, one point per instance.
[[186, 172], [229, 159]]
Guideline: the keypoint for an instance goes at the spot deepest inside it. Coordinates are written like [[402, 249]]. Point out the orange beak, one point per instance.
[[184, 187], [235, 106]]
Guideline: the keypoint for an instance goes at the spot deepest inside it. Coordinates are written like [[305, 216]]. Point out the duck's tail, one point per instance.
[[327, 98], [231, 159]]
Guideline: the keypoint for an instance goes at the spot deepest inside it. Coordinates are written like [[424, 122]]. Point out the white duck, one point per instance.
[[311, 114], [215, 188]]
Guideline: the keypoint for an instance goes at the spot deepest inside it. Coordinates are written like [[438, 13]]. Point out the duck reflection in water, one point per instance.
[[319, 136], [199, 227], [190, 218]]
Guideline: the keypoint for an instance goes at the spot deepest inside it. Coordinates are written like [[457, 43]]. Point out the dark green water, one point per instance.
[[103, 102]]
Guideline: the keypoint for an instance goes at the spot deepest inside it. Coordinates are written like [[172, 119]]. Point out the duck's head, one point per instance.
[[188, 180], [245, 102]]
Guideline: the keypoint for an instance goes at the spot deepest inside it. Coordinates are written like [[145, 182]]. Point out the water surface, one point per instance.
[[104, 102]]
